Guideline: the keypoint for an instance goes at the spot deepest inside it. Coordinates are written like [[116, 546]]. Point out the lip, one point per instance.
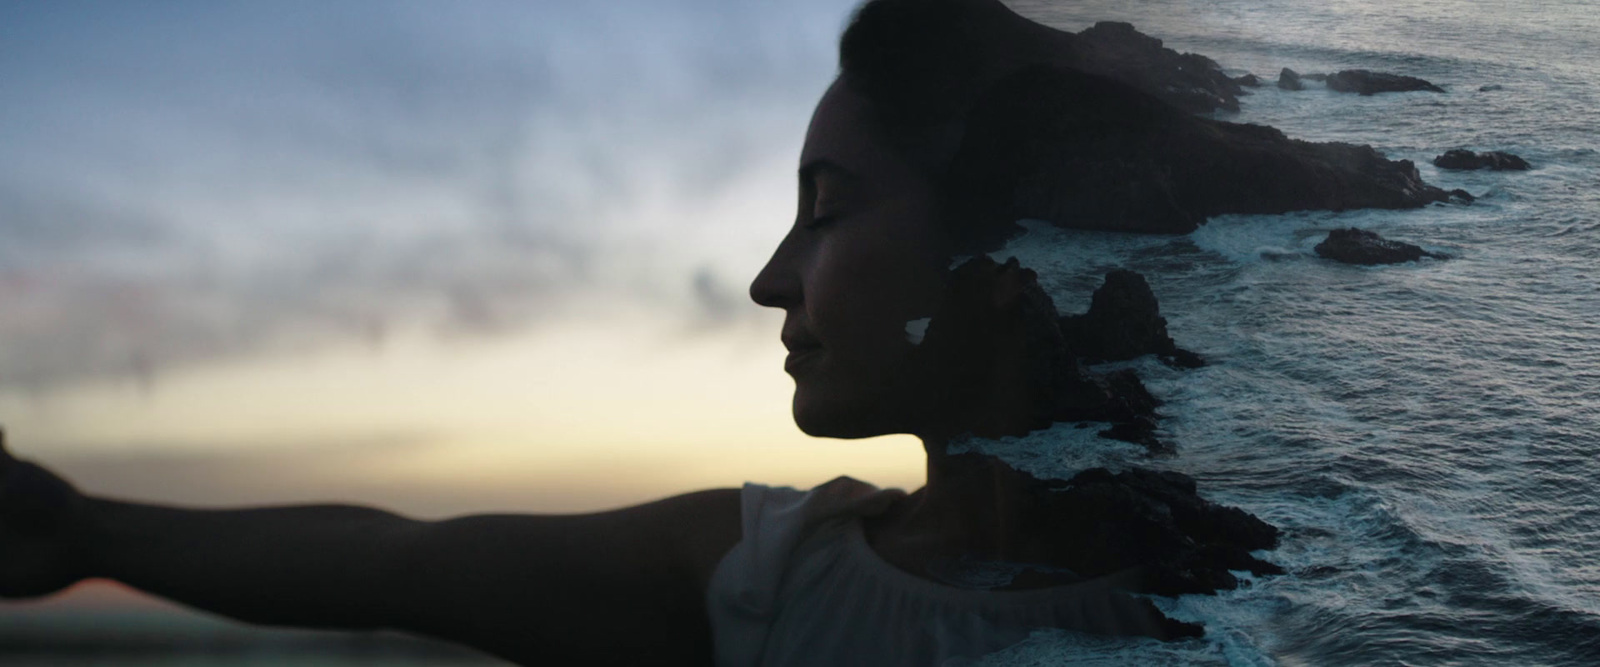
[[799, 358]]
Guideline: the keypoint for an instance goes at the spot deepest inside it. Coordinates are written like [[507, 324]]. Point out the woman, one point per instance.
[[884, 338]]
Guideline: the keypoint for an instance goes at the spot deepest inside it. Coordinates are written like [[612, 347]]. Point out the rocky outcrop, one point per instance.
[[1118, 399], [1188, 81], [1288, 79], [959, 350], [1086, 153], [1124, 322], [1359, 246], [1367, 82], [1104, 537], [1152, 524], [1466, 160], [1157, 520], [1131, 410], [1195, 83]]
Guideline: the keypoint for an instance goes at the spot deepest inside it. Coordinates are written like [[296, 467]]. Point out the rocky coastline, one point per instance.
[[1132, 163], [1147, 155]]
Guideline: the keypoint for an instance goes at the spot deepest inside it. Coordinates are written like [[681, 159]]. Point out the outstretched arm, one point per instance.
[[625, 586]]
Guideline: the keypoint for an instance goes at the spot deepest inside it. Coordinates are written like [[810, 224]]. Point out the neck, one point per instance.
[[971, 505]]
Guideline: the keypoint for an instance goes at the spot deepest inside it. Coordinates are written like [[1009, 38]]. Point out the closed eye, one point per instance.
[[829, 191]]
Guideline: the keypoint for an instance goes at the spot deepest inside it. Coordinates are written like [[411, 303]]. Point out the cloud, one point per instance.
[[198, 180], [718, 302]]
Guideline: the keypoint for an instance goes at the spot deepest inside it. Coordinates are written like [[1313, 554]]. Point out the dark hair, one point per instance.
[[919, 61], [1038, 138], [924, 67]]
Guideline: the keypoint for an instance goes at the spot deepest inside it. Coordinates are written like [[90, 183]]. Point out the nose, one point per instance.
[[778, 283]]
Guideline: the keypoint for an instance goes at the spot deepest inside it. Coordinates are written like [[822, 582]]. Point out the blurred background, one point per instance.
[[435, 257]]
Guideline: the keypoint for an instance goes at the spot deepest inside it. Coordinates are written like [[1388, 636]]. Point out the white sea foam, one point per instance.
[[1055, 452]]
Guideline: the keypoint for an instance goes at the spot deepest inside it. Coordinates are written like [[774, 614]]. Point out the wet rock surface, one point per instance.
[[1465, 160], [1359, 246], [1124, 322], [1131, 410], [1367, 82], [1289, 79]]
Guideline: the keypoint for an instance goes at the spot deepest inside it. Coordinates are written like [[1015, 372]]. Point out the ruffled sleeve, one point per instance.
[[743, 594]]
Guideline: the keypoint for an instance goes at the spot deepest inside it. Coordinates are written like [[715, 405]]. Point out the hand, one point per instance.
[[37, 513]]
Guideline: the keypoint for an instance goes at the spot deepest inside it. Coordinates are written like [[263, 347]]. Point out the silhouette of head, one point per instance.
[[894, 184]]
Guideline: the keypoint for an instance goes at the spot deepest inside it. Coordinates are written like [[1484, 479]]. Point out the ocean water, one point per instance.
[[1425, 434]]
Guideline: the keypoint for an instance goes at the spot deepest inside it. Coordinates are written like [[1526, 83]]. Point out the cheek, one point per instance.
[[864, 293], [861, 299]]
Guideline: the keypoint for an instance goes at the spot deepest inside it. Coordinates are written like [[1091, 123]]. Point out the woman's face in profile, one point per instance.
[[861, 261]]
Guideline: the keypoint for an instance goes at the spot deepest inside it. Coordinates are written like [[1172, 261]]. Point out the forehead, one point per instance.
[[843, 132]]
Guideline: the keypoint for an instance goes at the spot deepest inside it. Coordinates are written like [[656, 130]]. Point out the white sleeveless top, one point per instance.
[[803, 587]]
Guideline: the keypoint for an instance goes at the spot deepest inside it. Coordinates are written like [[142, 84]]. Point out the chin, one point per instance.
[[839, 417]]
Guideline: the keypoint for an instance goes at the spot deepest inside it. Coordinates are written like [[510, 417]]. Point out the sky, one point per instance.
[[185, 180], [435, 257]]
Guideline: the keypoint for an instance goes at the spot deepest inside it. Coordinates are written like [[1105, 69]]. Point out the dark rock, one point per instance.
[[1359, 246], [1084, 152], [1141, 432], [1248, 81], [1467, 160], [1100, 523], [1134, 532], [1129, 400], [1181, 358], [1119, 398], [1367, 82], [1188, 81], [958, 349], [1462, 196], [1124, 322], [1490, 88], [1288, 79]]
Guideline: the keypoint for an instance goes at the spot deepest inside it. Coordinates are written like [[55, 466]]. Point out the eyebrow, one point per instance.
[[810, 171]]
